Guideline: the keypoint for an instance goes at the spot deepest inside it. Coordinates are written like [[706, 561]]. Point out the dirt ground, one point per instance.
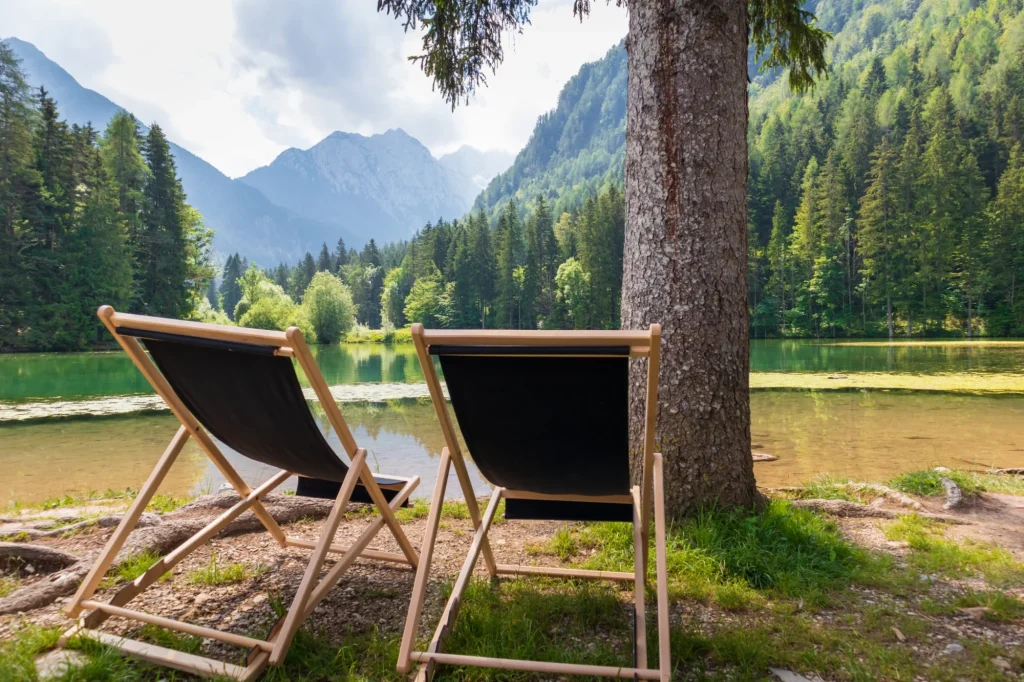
[[375, 595]]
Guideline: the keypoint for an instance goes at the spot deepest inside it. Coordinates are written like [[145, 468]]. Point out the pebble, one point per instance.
[[1001, 663], [953, 648]]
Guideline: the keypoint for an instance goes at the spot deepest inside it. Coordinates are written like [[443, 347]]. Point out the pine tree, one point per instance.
[[340, 254], [510, 255], [324, 262], [879, 224], [160, 250], [302, 275], [481, 269], [230, 291], [370, 254]]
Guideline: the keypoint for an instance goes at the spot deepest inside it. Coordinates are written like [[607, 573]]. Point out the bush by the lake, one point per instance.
[[329, 308], [264, 305]]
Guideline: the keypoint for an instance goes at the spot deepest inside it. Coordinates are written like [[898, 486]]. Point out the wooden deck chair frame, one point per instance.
[[91, 613], [650, 493]]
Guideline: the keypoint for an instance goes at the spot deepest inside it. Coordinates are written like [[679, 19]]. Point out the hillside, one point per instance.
[[243, 219], [927, 93], [387, 184], [575, 148]]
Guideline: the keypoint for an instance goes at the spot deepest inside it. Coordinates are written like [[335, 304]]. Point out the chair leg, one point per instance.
[[419, 588], [664, 654], [640, 585], [127, 524], [451, 609], [316, 561], [377, 495]]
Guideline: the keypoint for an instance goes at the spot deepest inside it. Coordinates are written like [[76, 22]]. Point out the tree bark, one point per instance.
[[686, 242]]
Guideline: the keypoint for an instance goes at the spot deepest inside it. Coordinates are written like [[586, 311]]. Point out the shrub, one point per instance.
[[328, 306]]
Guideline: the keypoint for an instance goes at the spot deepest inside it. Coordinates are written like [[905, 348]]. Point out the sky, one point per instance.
[[239, 81]]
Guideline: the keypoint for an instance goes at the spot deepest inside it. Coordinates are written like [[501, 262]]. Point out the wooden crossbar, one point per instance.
[[521, 569], [537, 666], [188, 628], [338, 549], [179, 660]]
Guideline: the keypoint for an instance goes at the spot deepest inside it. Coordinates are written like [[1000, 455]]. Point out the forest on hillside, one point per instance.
[[891, 198], [87, 219]]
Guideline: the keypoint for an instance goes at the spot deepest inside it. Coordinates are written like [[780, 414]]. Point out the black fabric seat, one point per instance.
[[250, 400], [545, 420]]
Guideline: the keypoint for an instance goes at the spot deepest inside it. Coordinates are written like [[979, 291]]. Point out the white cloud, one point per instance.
[[237, 83]]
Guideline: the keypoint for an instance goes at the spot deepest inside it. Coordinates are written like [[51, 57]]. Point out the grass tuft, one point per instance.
[[929, 483], [8, 584], [217, 573], [169, 639], [132, 567]]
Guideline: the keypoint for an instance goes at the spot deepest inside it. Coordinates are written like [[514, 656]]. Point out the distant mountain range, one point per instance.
[[388, 181], [384, 186]]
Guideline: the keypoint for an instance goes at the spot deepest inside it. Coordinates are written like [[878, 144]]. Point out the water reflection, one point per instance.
[[44, 459], [40, 376], [864, 435]]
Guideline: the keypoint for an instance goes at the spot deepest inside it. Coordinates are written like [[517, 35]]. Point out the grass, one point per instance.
[[132, 567], [160, 503], [169, 639], [999, 606], [934, 554], [217, 573], [8, 584], [738, 559], [961, 382], [971, 483]]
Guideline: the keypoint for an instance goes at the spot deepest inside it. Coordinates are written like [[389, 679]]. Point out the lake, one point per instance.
[[864, 434]]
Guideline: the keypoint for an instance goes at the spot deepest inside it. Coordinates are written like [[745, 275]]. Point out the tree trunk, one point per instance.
[[686, 242], [970, 318]]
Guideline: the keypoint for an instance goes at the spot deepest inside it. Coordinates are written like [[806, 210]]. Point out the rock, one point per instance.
[[30, 569], [763, 457], [975, 612], [200, 599], [58, 662], [953, 648], [899, 635], [1001, 663]]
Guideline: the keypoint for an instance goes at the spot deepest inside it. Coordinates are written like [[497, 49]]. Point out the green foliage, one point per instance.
[[86, 220], [329, 307], [264, 305], [728, 555], [423, 304]]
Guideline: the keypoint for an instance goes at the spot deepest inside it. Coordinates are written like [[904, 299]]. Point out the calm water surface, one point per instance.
[[870, 435]]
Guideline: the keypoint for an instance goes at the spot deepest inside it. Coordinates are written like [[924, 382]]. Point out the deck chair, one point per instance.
[[545, 416], [240, 386]]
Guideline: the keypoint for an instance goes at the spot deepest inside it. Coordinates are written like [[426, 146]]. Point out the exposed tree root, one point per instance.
[[17, 554], [1016, 471], [155, 534], [849, 509]]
